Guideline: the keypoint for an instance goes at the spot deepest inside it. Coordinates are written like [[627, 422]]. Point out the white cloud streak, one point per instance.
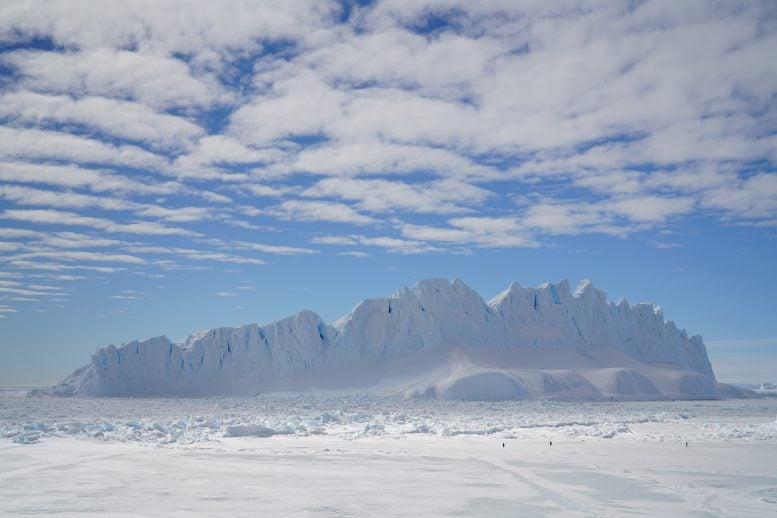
[[440, 197], [299, 210], [131, 121], [272, 249], [193, 254], [80, 256], [56, 217], [148, 78], [73, 176], [56, 145]]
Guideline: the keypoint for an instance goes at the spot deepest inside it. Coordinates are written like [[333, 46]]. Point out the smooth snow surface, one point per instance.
[[439, 339], [310, 456]]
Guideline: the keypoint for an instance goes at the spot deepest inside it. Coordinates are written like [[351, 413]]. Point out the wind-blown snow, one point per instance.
[[439, 339]]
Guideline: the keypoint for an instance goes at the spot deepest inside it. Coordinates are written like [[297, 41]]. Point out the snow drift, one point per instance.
[[439, 339]]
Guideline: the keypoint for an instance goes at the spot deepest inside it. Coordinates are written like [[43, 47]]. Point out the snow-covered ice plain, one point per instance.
[[348, 455]]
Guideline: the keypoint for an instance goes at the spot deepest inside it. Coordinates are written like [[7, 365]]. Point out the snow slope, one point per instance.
[[439, 339]]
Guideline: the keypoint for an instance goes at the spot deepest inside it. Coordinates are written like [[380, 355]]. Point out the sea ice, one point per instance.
[[384, 456]]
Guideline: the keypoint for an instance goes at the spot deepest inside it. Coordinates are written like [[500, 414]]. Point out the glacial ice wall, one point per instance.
[[435, 316]]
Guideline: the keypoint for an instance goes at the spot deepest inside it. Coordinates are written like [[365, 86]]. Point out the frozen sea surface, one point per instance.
[[339, 456]]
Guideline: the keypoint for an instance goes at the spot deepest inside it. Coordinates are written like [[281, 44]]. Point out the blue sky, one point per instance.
[[171, 168]]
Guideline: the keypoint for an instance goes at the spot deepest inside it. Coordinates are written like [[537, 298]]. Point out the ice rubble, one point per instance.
[[439, 339], [200, 422]]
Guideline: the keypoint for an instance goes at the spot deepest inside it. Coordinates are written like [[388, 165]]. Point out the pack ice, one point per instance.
[[437, 340]]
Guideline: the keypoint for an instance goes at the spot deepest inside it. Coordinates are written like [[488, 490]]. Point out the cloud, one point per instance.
[[5, 247], [407, 117], [209, 131], [298, 105], [128, 120], [215, 150], [128, 295], [665, 246], [619, 216], [16, 233], [439, 197], [272, 249], [390, 244], [34, 291], [44, 287], [215, 197], [753, 198], [559, 217], [611, 182], [58, 199], [80, 256], [402, 246], [55, 217], [192, 254], [486, 232], [494, 231], [652, 208], [373, 158], [264, 191], [442, 234], [174, 215], [174, 28], [55, 267], [123, 297], [59, 239], [65, 277], [150, 79], [55, 145], [31, 196], [74, 176], [446, 64], [319, 211], [334, 240], [239, 223]]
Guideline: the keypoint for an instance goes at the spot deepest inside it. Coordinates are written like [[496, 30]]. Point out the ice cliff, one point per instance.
[[439, 339]]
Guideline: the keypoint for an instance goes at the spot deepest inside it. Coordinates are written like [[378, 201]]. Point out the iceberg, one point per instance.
[[439, 339]]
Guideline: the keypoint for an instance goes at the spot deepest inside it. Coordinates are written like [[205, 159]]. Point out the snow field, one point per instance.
[[303, 455], [383, 476]]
